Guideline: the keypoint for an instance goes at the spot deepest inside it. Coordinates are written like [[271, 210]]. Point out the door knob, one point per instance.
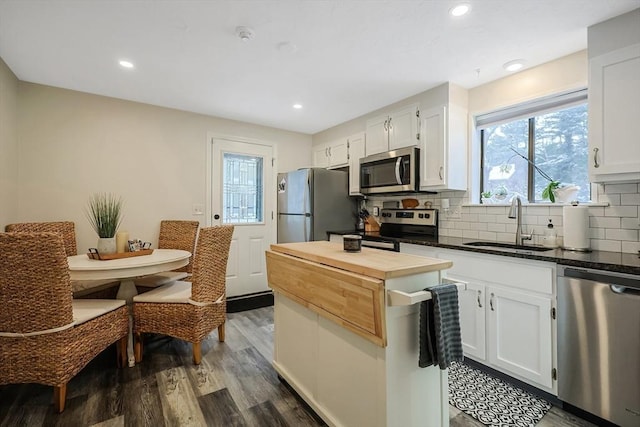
[[216, 216]]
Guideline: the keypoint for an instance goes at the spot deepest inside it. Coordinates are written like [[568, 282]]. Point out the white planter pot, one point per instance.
[[106, 245], [566, 194]]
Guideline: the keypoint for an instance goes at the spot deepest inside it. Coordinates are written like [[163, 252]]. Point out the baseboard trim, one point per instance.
[[249, 301]]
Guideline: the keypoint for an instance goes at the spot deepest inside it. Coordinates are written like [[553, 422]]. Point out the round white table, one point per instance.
[[81, 267]]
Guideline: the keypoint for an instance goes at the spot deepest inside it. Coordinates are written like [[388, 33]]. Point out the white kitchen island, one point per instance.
[[349, 353]]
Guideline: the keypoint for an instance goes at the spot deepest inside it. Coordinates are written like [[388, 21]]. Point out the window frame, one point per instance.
[[529, 110]]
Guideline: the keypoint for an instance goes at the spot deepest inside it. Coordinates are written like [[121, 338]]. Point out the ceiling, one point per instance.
[[340, 59]]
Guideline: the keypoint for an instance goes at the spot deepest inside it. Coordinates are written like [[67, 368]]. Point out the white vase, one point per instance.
[[566, 193], [106, 245]]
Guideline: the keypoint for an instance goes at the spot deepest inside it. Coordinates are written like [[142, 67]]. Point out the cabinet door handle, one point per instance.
[[491, 302], [386, 125], [440, 172], [390, 125], [479, 296], [595, 158], [329, 151]]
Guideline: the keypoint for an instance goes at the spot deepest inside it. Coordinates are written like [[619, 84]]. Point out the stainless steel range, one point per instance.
[[411, 224]]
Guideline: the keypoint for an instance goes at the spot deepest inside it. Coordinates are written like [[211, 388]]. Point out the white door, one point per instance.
[[356, 152], [243, 195], [377, 135]]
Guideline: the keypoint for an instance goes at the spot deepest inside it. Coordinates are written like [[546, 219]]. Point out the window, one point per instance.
[[242, 189], [524, 148]]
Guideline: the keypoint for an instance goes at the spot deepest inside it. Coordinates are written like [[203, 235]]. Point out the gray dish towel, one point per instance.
[[440, 339]]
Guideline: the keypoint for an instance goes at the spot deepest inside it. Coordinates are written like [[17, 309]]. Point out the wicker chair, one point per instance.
[[46, 337], [189, 310], [66, 228], [174, 234], [81, 289]]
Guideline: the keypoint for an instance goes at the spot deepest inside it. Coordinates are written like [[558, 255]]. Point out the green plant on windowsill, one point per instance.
[[485, 194], [548, 192]]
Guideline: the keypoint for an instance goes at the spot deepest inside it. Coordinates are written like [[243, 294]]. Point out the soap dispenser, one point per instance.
[[550, 239]]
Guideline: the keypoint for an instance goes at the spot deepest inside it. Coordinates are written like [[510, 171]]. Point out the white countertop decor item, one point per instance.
[[575, 219]]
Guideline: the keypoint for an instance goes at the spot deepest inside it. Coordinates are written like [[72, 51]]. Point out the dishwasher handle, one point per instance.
[[619, 283]]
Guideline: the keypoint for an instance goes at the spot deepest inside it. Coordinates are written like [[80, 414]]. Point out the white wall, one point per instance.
[[8, 144], [73, 144]]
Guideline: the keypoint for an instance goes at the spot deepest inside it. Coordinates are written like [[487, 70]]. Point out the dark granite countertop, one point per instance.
[[601, 260]]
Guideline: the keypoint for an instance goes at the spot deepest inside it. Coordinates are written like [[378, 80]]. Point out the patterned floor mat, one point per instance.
[[492, 401]]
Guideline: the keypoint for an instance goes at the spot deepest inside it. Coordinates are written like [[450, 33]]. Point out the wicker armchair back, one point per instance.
[[65, 228], [177, 234]]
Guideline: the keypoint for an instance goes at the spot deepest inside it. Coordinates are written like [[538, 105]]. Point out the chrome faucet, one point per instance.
[[516, 212]]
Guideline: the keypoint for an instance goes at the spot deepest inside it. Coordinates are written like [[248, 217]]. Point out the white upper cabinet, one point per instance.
[[398, 129], [614, 112], [356, 152], [331, 155], [443, 148]]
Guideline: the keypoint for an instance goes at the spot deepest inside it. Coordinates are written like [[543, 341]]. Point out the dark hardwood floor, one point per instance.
[[234, 385]]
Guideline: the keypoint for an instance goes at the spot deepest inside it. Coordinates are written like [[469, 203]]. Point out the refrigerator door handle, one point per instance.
[[398, 165], [304, 199]]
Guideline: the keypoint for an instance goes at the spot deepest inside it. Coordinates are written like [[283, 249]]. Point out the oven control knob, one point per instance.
[[420, 215]]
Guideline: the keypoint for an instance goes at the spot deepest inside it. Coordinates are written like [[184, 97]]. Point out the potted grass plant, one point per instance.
[[104, 213]]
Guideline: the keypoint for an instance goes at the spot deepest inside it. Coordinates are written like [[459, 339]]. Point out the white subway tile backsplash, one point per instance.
[[620, 234], [612, 228], [486, 235], [487, 218], [630, 223], [604, 222], [480, 226], [606, 245], [630, 199], [597, 233], [470, 234], [631, 247], [622, 211], [621, 188], [537, 210], [499, 228]]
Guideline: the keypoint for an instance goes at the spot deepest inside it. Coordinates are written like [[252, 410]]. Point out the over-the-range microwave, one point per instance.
[[395, 171]]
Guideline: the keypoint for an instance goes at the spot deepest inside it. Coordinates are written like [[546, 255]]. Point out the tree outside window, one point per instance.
[[556, 142]]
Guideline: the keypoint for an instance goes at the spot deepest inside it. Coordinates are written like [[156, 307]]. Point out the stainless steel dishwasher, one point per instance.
[[599, 343]]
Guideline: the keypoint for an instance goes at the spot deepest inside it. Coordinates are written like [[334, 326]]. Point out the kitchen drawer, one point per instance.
[[527, 275]]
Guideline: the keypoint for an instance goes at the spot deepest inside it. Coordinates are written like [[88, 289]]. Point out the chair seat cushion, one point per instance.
[[176, 292], [88, 309], [159, 279]]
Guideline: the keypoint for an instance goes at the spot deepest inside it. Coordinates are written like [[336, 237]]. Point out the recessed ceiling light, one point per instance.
[[297, 106], [459, 10], [514, 65], [125, 64]]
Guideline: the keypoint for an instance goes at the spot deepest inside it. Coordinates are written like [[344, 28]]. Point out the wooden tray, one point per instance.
[[105, 257]]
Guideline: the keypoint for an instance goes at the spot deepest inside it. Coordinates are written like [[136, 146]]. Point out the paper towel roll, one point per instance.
[[575, 220]]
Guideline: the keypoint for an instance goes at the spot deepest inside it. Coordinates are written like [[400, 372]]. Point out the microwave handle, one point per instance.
[[398, 174]]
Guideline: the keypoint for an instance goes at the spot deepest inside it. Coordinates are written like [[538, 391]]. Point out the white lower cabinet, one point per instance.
[[505, 312], [471, 302]]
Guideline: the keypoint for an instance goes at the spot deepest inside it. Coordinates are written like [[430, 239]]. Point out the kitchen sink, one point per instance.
[[510, 246]]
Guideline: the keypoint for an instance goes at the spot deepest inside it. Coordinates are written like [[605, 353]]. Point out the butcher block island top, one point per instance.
[[369, 262], [341, 344]]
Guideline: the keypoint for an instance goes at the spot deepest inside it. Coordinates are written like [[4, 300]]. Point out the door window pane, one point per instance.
[[242, 198]]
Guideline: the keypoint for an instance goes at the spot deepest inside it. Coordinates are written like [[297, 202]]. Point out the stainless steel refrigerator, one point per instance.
[[311, 202]]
